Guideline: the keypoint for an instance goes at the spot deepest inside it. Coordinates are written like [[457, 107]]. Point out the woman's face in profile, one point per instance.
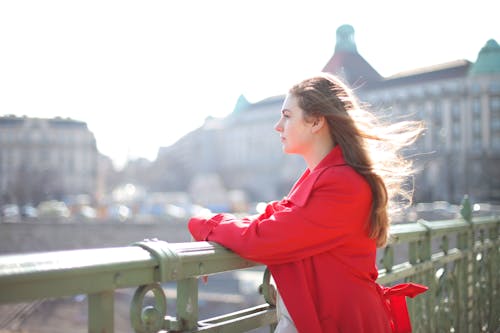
[[295, 132]]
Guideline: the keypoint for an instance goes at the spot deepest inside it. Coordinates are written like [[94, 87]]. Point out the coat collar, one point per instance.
[[302, 189]]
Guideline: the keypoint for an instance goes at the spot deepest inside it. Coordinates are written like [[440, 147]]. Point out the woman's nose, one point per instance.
[[278, 126]]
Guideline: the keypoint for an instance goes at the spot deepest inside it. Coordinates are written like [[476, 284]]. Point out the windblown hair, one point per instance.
[[369, 146]]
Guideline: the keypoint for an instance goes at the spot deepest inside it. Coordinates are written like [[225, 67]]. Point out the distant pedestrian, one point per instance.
[[320, 241]]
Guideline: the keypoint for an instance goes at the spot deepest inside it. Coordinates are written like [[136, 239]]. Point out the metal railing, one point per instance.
[[458, 259]]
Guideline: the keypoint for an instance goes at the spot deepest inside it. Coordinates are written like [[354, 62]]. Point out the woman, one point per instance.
[[320, 241]]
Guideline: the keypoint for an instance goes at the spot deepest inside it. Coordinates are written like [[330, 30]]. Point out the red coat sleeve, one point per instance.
[[335, 213]]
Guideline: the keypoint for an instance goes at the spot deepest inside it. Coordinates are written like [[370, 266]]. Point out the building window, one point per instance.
[[494, 87], [418, 92], [476, 123], [475, 88], [402, 94], [495, 122], [437, 131], [452, 87], [434, 90], [455, 125]]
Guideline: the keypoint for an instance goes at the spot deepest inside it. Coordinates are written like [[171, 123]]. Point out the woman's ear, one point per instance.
[[318, 123]]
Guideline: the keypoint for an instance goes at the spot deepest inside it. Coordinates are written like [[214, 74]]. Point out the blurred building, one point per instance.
[[242, 149], [460, 152], [44, 159], [460, 104]]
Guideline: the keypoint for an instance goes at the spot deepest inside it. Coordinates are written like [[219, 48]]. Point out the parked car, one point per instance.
[[85, 212], [10, 213], [29, 212], [53, 209], [119, 212]]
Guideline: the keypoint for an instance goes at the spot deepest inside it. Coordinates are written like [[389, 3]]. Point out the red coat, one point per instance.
[[316, 245]]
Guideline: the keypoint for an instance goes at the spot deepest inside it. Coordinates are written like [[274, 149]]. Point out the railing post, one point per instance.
[[465, 241], [495, 276], [101, 308], [388, 258], [187, 303], [269, 292], [413, 259], [424, 255]]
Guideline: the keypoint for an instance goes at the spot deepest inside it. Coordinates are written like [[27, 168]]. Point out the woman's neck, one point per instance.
[[317, 153]]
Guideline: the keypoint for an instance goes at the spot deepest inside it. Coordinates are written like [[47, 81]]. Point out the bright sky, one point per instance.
[[144, 73]]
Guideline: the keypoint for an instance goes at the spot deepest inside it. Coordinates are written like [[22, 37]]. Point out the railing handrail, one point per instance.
[[23, 276]]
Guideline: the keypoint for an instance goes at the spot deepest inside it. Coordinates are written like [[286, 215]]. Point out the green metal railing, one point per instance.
[[458, 259]]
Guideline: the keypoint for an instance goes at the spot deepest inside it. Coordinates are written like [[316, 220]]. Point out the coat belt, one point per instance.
[[395, 301]]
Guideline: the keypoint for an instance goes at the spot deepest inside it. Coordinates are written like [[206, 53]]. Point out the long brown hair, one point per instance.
[[372, 148]]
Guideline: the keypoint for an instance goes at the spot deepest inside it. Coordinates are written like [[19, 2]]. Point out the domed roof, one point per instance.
[[488, 59], [345, 39]]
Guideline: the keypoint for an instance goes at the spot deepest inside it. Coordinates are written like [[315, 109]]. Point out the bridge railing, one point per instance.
[[458, 259]]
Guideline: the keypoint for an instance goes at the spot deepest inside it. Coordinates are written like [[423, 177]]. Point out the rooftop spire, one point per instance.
[[347, 63], [241, 104], [488, 59], [345, 39]]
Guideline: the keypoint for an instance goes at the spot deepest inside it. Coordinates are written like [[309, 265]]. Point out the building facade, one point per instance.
[[459, 103], [459, 153], [43, 159]]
